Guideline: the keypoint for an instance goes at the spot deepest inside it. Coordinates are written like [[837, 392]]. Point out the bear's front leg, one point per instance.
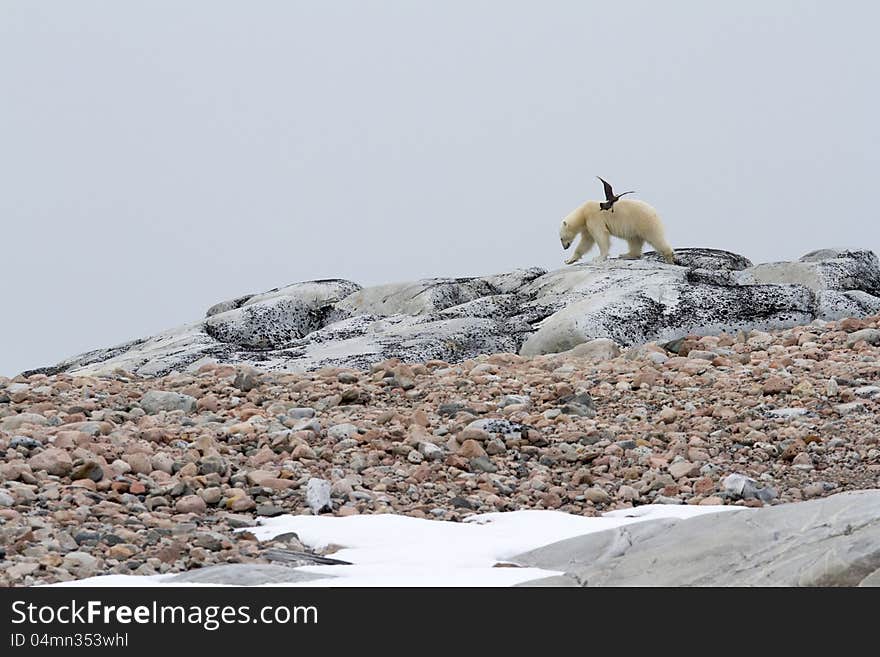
[[602, 238], [583, 246]]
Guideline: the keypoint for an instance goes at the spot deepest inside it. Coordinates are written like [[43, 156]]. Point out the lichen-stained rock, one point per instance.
[[632, 312], [433, 295], [274, 319], [707, 259], [832, 304], [316, 293], [271, 323], [828, 269], [364, 340], [315, 324]]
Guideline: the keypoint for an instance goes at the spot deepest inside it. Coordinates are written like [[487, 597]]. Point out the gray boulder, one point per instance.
[[834, 541], [637, 302], [833, 304], [433, 295], [316, 292], [155, 401], [275, 318], [268, 324], [243, 574], [318, 495], [828, 269]]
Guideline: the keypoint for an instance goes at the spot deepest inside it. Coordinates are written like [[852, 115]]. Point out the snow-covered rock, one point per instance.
[[315, 324]]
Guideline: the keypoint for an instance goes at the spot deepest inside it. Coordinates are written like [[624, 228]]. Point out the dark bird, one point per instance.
[[610, 198]]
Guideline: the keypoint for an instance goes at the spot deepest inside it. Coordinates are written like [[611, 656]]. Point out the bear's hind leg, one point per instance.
[[635, 249]]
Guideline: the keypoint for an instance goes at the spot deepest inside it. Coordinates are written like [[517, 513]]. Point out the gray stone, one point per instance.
[[237, 521], [81, 564], [498, 426], [788, 413], [53, 460], [88, 470], [552, 581], [664, 499], [430, 450], [741, 487], [580, 404], [684, 469], [511, 400], [833, 541], [244, 574], [213, 464], [483, 464], [849, 407], [701, 354], [871, 580], [24, 441], [597, 495], [269, 510], [91, 428], [318, 495], [306, 423], [867, 391], [598, 349], [342, 431], [869, 335], [155, 401], [14, 422], [246, 381]]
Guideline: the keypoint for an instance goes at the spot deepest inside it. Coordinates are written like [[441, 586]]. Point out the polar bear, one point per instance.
[[633, 220]]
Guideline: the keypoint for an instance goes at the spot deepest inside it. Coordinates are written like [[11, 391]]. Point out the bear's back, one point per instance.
[[633, 206]]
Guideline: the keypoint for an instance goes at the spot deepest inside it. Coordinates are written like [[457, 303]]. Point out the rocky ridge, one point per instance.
[[311, 325]]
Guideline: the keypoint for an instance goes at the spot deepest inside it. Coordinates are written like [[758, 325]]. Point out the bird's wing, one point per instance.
[[625, 193], [609, 193]]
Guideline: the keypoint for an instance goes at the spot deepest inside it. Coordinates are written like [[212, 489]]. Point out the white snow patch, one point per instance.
[[395, 550]]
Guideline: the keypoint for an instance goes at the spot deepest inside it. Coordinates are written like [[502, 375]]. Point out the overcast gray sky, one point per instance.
[[158, 157]]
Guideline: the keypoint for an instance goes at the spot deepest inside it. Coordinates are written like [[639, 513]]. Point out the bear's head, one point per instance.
[[569, 228]]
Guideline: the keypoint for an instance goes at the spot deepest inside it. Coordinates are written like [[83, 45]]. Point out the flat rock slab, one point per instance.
[[834, 541], [243, 574]]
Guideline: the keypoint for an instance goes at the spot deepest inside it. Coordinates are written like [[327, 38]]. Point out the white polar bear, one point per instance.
[[633, 220]]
